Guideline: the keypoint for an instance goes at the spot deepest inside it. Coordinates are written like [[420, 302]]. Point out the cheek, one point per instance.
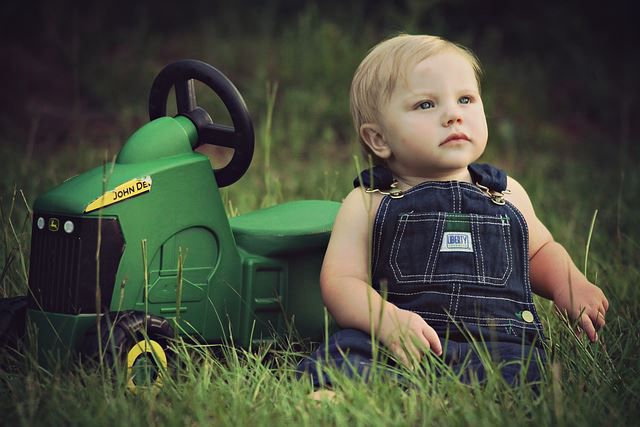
[[480, 122], [483, 125]]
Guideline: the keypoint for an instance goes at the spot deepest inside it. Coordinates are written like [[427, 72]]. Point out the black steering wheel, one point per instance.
[[240, 137]]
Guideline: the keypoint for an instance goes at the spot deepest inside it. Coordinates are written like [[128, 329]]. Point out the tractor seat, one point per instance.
[[286, 228]]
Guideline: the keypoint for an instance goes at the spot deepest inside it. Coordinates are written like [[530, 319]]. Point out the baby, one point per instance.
[[432, 251]]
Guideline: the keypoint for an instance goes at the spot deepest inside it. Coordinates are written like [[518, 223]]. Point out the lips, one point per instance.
[[454, 137]]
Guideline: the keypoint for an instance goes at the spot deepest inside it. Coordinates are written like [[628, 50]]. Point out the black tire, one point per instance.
[[131, 335]]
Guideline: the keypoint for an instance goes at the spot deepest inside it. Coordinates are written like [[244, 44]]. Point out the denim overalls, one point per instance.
[[456, 254]]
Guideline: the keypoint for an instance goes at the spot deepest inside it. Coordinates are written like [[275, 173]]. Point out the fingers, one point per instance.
[[588, 328], [406, 353], [599, 321], [596, 317], [601, 311], [399, 354], [414, 344], [433, 340]]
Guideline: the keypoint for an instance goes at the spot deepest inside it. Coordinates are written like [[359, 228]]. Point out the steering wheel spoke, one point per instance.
[[221, 135], [185, 96]]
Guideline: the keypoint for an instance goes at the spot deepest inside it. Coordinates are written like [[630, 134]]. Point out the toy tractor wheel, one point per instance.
[[240, 137], [137, 342]]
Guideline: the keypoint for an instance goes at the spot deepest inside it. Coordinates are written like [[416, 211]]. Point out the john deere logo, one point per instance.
[[122, 192], [54, 224]]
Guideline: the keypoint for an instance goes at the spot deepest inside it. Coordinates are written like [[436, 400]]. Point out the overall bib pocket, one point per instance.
[[441, 247]]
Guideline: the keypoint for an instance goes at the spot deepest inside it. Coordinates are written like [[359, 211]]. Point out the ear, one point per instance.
[[371, 134]]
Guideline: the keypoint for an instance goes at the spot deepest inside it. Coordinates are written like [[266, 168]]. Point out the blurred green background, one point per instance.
[[559, 86], [83, 70]]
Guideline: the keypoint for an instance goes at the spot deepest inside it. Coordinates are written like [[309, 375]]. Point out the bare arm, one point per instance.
[[346, 289], [554, 275]]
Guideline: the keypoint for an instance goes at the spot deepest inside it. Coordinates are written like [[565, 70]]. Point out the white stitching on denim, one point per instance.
[[452, 220], [511, 319], [525, 253], [438, 237], [426, 268], [525, 244], [509, 322], [394, 252], [456, 279], [454, 198], [459, 294], [478, 254], [507, 247], [407, 278], [482, 219], [385, 202], [455, 310], [430, 185], [451, 299], [446, 186], [492, 281]]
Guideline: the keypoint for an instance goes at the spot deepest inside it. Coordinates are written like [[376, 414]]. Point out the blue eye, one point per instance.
[[426, 105], [465, 100]]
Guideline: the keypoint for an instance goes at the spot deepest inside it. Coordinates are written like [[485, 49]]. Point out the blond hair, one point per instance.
[[375, 78]]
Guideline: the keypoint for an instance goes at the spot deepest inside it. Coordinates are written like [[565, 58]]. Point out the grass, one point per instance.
[[260, 388], [304, 151]]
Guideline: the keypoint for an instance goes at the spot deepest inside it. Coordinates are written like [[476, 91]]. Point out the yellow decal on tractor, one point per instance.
[[122, 192]]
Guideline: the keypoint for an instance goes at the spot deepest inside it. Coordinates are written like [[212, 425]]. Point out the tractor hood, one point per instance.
[[162, 144], [108, 186]]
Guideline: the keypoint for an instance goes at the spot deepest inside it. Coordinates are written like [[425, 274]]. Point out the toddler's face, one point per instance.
[[434, 122]]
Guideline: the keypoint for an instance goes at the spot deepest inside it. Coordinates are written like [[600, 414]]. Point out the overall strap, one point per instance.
[[377, 177], [378, 180], [488, 176], [491, 180]]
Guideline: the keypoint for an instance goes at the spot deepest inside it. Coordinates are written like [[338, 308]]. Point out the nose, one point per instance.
[[451, 115]]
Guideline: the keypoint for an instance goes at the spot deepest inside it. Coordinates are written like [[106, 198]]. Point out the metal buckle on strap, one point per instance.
[[496, 197], [394, 192]]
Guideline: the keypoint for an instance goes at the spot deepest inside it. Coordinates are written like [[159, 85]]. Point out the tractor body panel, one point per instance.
[[283, 248], [168, 212]]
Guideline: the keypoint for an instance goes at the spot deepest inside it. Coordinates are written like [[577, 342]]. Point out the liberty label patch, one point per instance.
[[456, 241]]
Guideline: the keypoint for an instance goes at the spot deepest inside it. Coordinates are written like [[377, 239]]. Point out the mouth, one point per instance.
[[455, 137]]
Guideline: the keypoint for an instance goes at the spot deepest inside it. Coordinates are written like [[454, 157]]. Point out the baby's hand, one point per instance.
[[586, 301], [408, 336]]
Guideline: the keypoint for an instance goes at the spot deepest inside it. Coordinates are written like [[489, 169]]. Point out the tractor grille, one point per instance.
[[62, 272]]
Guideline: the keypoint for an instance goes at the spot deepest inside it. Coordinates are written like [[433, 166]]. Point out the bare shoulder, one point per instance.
[[361, 204], [539, 235], [348, 249], [356, 215], [518, 196]]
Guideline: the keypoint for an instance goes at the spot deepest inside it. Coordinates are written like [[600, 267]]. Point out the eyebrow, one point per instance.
[[413, 95], [426, 94]]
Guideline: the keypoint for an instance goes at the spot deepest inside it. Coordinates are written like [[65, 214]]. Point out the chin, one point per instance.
[[461, 160], [458, 164]]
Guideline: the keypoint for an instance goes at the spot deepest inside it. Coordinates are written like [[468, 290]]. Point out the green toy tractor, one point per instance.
[[125, 257]]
